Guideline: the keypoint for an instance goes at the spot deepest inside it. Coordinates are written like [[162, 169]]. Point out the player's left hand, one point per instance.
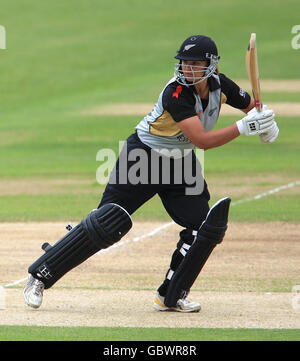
[[271, 134]]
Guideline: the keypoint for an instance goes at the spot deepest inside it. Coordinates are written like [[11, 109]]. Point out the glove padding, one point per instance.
[[256, 122], [271, 134]]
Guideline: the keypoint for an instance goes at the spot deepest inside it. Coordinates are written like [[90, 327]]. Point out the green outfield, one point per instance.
[[20, 333], [63, 59]]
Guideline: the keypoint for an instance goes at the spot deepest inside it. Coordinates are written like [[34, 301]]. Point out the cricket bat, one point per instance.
[[252, 70]]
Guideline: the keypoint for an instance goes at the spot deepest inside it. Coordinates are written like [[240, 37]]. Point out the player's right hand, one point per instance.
[[256, 122]]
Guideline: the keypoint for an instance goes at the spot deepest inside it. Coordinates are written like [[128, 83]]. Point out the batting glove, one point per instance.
[[271, 135], [256, 122]]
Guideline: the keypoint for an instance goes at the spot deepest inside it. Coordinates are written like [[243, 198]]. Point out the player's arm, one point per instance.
[[238, 98], [193, 129], [180, 102], [254, 123], [249, 107]]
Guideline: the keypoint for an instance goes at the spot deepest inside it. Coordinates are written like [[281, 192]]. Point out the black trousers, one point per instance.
[[189, 211]]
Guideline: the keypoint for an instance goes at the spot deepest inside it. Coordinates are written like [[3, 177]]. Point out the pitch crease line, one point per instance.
[[158, 229]]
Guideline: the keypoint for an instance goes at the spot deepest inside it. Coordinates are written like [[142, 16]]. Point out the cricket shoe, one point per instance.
[[183, 305], [33, 292]]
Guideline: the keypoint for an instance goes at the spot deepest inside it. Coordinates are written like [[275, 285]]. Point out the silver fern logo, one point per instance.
[[188, 47]]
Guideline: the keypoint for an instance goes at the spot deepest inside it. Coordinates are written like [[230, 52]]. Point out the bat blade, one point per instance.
[[252, 70]]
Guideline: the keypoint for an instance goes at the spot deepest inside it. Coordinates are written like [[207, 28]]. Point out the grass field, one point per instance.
[[62, 60], [17, 333]]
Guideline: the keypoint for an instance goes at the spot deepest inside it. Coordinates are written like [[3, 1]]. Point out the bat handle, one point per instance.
[[258, 105]]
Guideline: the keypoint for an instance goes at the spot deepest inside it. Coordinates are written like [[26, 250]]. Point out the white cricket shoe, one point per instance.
[[33, 292], [183, 305]]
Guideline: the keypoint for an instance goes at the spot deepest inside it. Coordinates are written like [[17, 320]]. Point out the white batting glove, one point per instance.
[[271, 135], [256, 122]]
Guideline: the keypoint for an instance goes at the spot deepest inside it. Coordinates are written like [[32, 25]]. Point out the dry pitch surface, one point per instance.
[[117, 287]]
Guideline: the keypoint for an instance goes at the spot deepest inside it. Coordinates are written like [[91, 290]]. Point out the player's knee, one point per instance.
[[107, 225], [215, 225], [211, 233]]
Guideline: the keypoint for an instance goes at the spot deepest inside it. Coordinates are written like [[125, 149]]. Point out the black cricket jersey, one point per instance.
[[177, 102]]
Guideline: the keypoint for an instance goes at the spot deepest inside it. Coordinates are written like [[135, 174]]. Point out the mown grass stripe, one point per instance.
[[39, 333]]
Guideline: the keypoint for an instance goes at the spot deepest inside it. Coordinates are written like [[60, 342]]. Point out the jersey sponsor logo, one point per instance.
[[182, 138], [242, 93], [177, 92]]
